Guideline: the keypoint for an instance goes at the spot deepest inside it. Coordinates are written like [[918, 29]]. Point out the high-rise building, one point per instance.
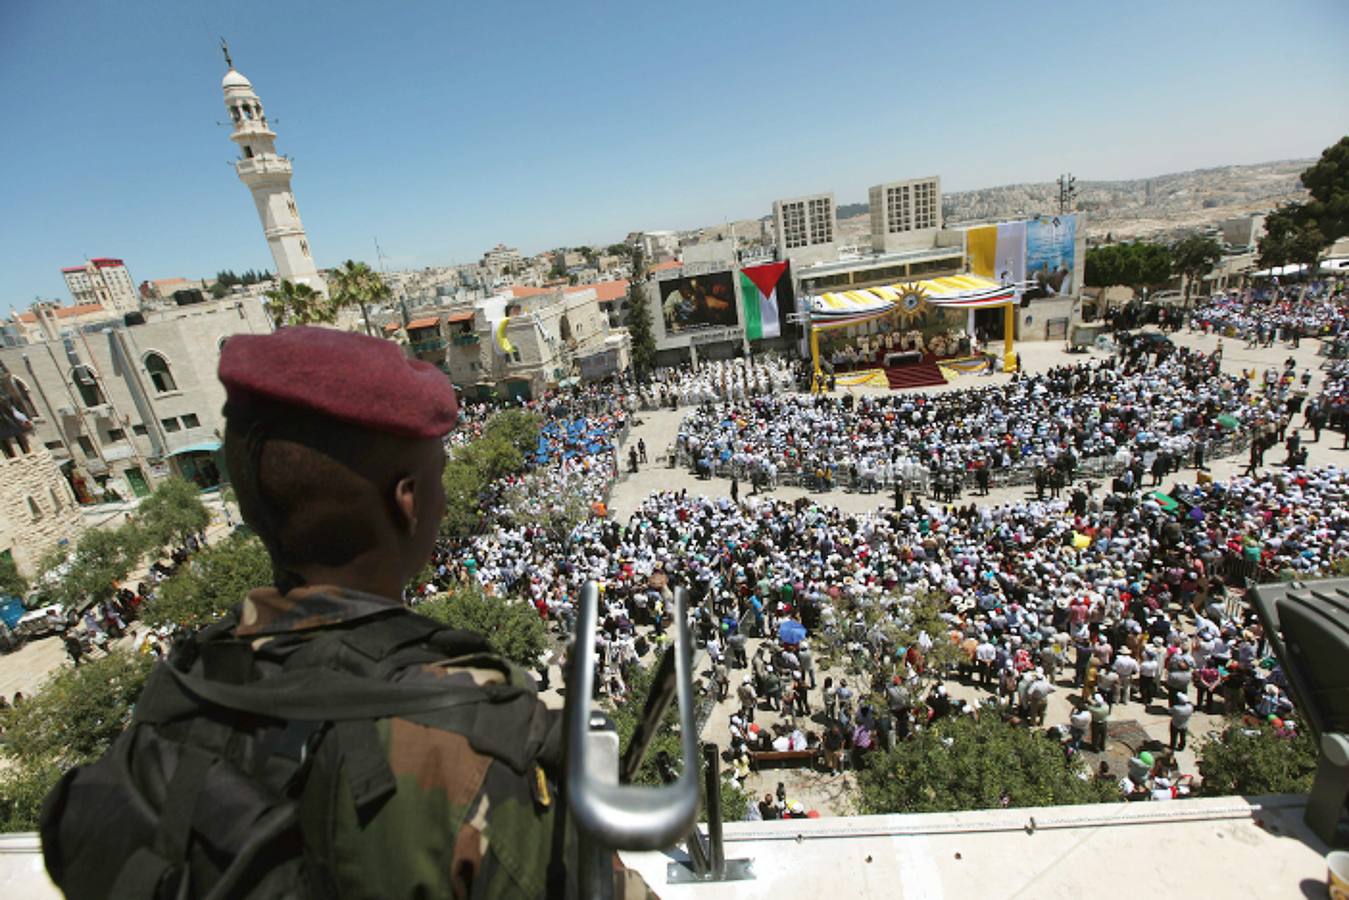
[[267, 175], [103, 281], [805, 228], [905, 214], [501, 259]]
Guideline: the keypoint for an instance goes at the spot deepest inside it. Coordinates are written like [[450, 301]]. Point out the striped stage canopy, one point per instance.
[[839, 309]]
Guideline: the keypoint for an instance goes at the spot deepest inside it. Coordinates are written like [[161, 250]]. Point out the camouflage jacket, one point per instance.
[[472, 813]]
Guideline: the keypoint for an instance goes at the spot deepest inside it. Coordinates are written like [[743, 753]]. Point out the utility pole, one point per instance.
[[1067, 191], [383, 270]]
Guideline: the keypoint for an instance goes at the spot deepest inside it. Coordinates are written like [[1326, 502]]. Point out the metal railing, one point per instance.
[[609, 815]]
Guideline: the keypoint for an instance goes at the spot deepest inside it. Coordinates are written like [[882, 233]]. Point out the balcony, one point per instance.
[[465, 340], [427, 346]]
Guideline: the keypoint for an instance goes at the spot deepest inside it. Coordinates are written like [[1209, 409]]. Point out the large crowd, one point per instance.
[[1269, 314], [1115, 411], [1116, 596]]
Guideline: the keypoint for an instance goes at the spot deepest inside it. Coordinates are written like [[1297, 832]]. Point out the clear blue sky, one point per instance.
[[445, 127]]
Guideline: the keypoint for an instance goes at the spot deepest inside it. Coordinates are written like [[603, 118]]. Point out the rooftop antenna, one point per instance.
[[225, 48]]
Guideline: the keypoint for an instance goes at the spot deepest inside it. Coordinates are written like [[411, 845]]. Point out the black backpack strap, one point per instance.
[[316, 695]]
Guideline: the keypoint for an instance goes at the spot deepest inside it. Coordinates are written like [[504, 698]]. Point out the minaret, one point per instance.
[[267, 175]]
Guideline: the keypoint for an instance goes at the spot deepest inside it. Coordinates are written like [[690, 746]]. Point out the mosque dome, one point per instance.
[[234, 80]]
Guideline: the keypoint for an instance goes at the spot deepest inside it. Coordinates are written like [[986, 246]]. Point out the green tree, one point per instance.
[[1138, 265], [73, 718], [517, 427], [356, 284], [1291, 236], [470, 472], [78, 711], [102, 557], [511, 626], [12, 584], [639, 320], [211, 582], [628, 714], [1300, 232], [1194, 257], [1242, 760], [299, 304], [963, 764], [171, 513]]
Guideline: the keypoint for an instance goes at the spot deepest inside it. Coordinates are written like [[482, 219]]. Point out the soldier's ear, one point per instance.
[[405, 504]]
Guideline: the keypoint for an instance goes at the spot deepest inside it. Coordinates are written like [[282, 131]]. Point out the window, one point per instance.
[[191, 421], [170, 425], [86, 445], [56, 501], [53, 445], [304, 247], [158, 367], [87, 385], [34, 510], [248, 152], [139, 430], [115, 435]]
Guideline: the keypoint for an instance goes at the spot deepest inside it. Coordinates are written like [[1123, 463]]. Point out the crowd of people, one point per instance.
[[1115, 410], [1262, 317], [714, 381], [1036, 596]]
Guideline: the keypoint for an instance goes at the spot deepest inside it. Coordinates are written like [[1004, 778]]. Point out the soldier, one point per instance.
[[334, 442]]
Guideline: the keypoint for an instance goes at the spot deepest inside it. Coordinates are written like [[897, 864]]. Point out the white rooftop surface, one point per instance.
[[1228, 847], [1199, 848]]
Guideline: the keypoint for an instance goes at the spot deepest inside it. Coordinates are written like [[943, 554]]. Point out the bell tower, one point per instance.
[[267, 175]]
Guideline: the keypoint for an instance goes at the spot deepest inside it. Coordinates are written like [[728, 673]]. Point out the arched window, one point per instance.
[[158, 367], [25, 400], [34, 510], [87, 385], [56, 501]]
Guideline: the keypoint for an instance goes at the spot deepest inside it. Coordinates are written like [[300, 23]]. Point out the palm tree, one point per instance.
[[299, 304], [356, 284]]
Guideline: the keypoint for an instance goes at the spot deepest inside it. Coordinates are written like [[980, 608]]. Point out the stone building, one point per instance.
[[120, 406], [37, 506], [553, 336]]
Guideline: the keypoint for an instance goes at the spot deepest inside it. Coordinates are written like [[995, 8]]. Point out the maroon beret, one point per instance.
[[364, 381]]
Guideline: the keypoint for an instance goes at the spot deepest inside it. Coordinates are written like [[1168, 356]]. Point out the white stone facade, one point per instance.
[[103, 281], [119, 401], [37, 507]]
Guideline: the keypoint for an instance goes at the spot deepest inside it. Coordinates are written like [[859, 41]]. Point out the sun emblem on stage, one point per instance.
[[912, 301]]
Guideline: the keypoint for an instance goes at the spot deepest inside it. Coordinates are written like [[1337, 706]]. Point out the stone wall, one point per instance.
[[37, 507]]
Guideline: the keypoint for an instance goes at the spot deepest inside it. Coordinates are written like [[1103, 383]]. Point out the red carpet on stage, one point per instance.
[[914, 375]]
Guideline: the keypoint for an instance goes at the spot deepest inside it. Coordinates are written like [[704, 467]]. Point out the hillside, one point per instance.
[[1147, 207]]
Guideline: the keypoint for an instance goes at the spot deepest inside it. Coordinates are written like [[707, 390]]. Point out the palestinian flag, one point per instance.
[[759, 288]]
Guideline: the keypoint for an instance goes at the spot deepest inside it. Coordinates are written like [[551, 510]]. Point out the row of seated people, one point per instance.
[[871, 351]]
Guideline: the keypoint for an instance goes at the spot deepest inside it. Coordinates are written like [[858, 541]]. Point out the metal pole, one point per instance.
[[716, 847]]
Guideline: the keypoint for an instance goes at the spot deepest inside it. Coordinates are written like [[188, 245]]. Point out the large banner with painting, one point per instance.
[[768, 299], [1049, 255], [698, 301]]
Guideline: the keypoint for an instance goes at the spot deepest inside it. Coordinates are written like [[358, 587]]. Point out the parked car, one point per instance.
[[42, 622]]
